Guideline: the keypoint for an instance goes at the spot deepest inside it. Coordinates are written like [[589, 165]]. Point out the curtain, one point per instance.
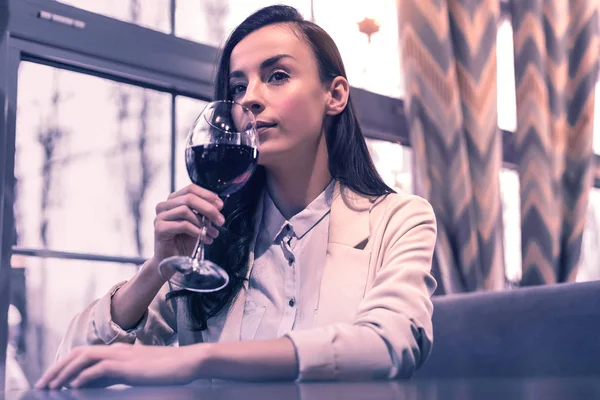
[[556, 62], [449, 61]]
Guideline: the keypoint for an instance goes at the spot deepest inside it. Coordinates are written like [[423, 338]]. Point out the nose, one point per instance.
[[253, 99]]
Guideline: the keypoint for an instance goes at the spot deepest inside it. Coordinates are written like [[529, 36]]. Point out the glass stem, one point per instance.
[[198, 254]]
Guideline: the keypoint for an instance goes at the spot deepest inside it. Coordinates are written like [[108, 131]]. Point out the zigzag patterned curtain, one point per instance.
[[449, 57], [556, 62]]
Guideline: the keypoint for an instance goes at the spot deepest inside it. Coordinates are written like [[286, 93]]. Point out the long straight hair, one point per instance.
[[349, 160]]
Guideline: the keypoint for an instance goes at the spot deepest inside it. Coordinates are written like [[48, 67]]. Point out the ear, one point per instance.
[[339, 90]]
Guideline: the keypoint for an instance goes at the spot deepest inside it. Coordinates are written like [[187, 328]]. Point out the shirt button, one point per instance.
[[292, 302]]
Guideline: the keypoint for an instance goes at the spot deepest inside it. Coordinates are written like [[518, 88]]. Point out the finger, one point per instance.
[[199, 191], [184, 212], [170, 229], [55, 369], [192, 188], [181, 213], [182, 200], [85, 360], [212, 232], [102, 373], [195, 203]]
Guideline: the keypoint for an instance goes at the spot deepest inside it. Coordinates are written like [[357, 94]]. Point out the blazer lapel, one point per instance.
[[347, 262]]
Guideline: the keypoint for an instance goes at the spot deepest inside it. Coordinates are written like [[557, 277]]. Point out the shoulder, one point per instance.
[[396, 206], [408, 204], [400, 213]]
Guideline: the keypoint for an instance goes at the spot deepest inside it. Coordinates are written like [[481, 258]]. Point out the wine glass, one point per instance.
[[221, 153]]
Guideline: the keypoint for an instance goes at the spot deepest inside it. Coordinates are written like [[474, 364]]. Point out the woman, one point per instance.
[[330, 270]]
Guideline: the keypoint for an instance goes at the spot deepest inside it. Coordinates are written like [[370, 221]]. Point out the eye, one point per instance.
[[278, 77], [237, 89]]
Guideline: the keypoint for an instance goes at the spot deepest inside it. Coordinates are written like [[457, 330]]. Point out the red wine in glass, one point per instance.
[[221, 168], [221, 154]]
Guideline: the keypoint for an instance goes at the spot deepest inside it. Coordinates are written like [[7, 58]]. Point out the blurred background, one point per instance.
[[100, 94]]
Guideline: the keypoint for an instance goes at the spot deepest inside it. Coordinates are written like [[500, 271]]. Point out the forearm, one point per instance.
[[131, 301], [249, 360]]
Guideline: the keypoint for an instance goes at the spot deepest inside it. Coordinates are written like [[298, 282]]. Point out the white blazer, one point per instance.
[[374, 310]]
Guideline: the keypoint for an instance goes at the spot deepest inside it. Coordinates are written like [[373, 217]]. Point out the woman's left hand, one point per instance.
[[122, 363]]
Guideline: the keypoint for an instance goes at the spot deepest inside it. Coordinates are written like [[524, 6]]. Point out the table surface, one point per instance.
[[489, 389]]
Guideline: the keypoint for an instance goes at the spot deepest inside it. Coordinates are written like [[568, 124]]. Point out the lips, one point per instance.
[[265, 125], [262, 128]]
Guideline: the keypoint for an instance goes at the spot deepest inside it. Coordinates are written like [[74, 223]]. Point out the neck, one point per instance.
[[295, 183]]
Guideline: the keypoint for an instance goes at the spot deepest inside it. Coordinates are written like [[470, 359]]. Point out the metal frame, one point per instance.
[[108, 39], [8, 87], [5, 220], [64, 255], [172, 16]]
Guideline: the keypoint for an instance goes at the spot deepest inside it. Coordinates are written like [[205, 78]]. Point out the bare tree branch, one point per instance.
[[137, 177], [50, 135]]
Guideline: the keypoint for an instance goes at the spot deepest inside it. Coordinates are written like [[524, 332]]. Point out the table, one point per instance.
[[489, 389]]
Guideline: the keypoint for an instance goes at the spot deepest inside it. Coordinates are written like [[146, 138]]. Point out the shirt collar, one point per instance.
[[302, 222]]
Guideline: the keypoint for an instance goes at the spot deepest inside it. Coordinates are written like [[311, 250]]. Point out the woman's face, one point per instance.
[[275, 75]]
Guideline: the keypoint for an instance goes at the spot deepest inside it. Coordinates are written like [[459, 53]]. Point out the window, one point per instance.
[[394, 163], [153, 14], [589, 266], [511, 218], [507, 100], [92, 160], [596, 139]]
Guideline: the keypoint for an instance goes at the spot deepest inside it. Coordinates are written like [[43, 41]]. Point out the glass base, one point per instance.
[[204, 278]]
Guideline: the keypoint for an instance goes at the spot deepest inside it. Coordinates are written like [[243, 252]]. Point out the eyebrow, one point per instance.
[[263, 65]]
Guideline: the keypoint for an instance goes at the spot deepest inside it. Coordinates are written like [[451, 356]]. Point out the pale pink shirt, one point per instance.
[[286, 277]]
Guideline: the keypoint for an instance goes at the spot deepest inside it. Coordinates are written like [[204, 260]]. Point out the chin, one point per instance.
[[269, 157]]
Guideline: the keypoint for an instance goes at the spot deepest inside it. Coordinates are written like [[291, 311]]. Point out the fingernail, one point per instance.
[[220, 220], [219, 204]]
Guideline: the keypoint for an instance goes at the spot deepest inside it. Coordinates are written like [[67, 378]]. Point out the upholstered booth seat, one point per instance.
[[549, 330]]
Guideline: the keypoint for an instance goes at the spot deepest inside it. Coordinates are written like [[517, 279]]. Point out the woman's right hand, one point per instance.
[[178, 225]]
